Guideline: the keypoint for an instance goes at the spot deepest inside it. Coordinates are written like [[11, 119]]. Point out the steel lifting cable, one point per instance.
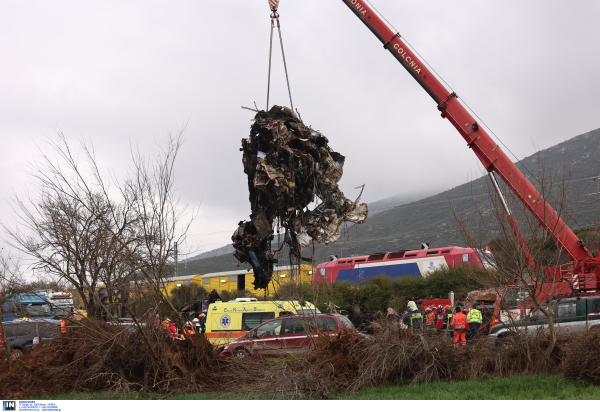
[[273, 4]]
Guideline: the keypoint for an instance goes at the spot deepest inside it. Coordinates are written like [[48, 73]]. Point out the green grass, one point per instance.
[[547, 387], [520, 387]]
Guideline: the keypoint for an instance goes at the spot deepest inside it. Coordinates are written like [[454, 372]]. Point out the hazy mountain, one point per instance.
[[397, 200], [430, 219], [227, 249]]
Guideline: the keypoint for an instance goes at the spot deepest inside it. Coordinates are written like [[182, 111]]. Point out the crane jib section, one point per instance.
[[487, 151]]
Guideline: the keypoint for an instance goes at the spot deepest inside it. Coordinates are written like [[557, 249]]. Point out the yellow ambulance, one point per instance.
[[227, 321]]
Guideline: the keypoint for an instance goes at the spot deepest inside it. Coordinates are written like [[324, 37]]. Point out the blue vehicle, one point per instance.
[[27, 305]]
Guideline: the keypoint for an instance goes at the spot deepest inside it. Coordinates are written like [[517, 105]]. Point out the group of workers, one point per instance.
[[465, 322], [180, 330]]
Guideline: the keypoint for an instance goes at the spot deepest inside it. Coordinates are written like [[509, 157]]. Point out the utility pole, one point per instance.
[[597, 178], [342, 251], [176, 259]]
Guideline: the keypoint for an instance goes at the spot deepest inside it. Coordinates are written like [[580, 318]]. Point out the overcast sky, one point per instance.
[[117, 72]]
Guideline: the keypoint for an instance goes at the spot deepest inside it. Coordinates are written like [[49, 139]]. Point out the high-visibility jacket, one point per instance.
[[63, 326], [459, 321], [430, 319], [474, 316], [416, 320], [413, 320], [447, 320], [190, 331]]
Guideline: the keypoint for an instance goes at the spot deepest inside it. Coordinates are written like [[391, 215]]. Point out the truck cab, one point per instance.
[[577, 314], [27, 305]]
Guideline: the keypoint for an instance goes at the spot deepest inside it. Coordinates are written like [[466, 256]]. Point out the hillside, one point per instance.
[[431, 219], [223, 250]]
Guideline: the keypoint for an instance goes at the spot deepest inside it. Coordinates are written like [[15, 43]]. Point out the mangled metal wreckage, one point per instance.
[[289, 164]]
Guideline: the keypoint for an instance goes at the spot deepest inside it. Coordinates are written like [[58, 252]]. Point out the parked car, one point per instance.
[[286, 335], [22, 336], [570, 315]]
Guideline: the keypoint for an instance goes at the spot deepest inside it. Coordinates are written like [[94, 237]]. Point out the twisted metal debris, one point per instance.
[[289, 164]]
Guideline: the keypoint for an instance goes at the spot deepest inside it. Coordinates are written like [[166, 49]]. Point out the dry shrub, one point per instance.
[[95, 356], [393, 355], [582, 358], [350, 361]]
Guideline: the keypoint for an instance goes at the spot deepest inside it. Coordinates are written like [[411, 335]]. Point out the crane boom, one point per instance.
[[487, 151]]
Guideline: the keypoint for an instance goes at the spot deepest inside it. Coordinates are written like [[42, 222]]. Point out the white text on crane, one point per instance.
[[408, 59], [359, 7]]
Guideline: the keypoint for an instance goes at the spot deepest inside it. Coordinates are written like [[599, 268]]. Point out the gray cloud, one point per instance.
[[119, 72]]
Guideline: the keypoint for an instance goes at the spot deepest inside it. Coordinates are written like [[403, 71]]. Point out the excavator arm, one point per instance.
[[485, 148]]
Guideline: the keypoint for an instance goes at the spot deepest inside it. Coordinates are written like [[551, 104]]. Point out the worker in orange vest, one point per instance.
[[63, 326], [429, 319], [189, 329], [459, 323]]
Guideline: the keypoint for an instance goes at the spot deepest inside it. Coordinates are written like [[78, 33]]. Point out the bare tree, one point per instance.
[[90, 231], [523, 253]]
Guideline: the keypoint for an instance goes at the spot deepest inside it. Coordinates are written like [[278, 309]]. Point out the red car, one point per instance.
[[286, 335]]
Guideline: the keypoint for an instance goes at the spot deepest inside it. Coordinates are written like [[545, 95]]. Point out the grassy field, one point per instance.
[[534, 387]]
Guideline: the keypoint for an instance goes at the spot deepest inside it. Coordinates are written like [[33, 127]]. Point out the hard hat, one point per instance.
[[196, 321], [412, 305], [447, 307], [440, 306], [201, 316], [168, 320], [24, 319], [427, 309]]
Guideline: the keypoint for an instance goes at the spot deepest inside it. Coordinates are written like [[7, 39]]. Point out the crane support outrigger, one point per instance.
[[584, 266]]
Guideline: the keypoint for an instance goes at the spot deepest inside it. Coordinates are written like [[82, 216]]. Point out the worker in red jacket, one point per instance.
[[459, 323], [439, 319], [170, 328]]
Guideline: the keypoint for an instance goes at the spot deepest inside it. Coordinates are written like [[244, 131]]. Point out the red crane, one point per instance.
[[585, 268]]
